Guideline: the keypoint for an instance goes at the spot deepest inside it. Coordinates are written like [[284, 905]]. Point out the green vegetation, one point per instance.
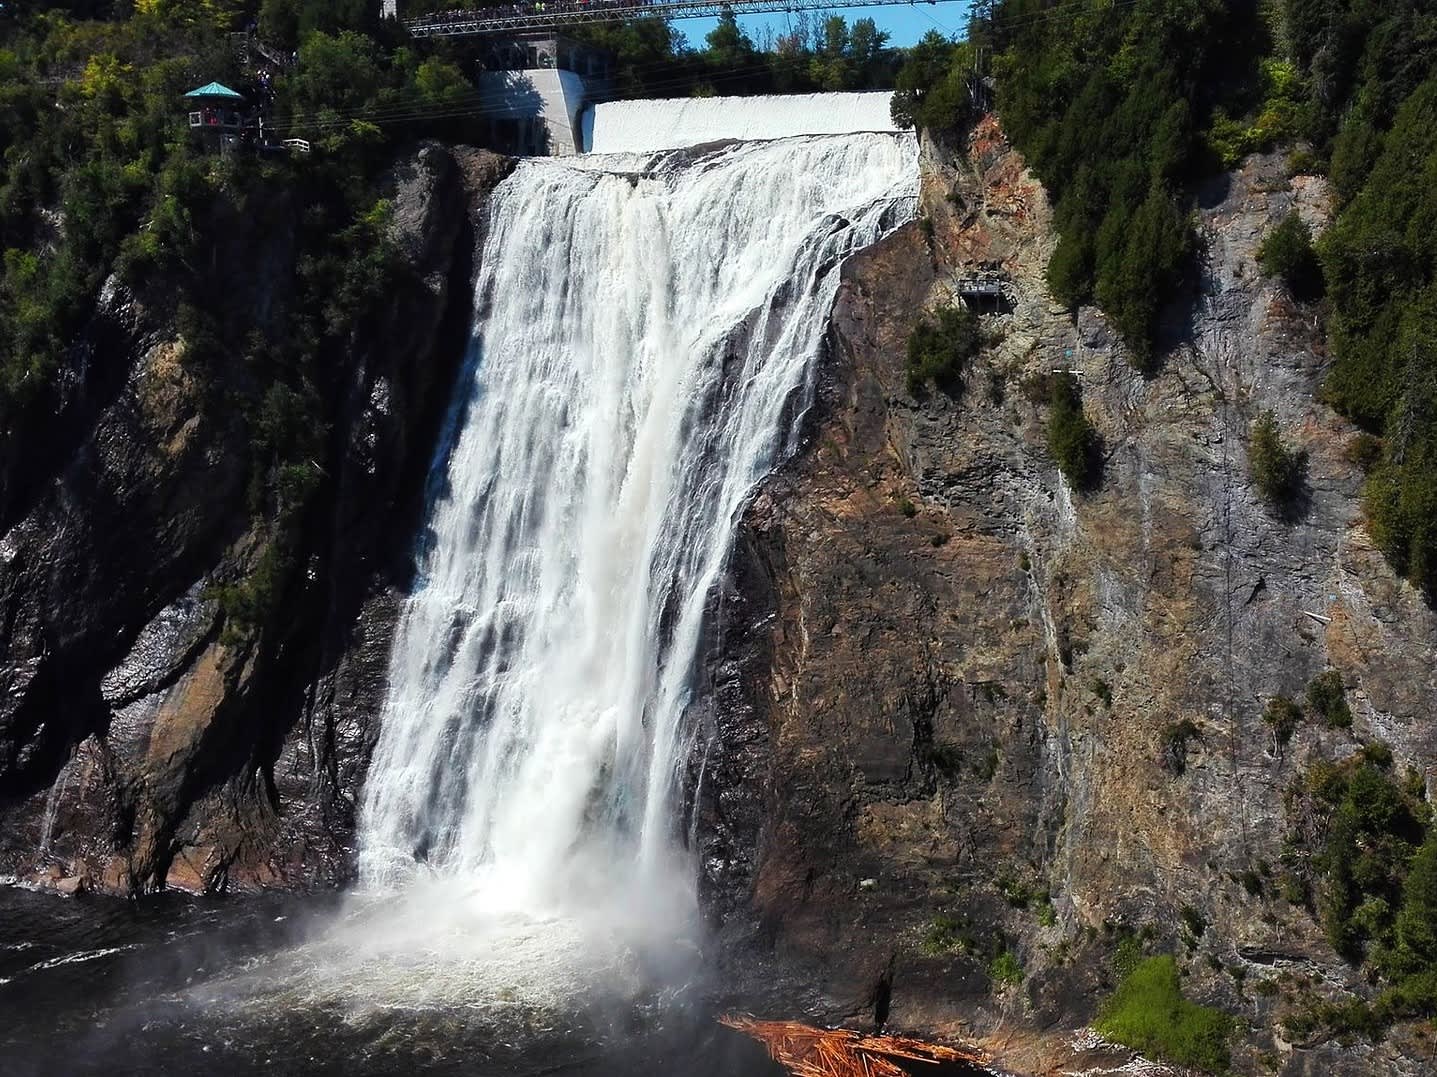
[[1371, 83], [1120, 112], [1363, 451], [1005, 970], [939, 351], [1274, 114], [824, 52], [1287, 252], [1194, 926], [1278, 471], [948, 934], [1173, 745], [1148, 1013], [1071, 438], [1364, 846], [1282, 716], [1109, 108], [101, 173], [932, 88], [1327, 699]]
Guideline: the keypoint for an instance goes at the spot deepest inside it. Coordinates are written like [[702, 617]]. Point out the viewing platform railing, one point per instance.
[[556, 14]]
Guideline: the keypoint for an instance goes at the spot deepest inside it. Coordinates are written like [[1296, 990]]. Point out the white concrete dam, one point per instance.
[[673, 123]]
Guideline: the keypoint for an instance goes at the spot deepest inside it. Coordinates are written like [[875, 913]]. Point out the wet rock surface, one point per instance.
[[137, 748], [962, 675]]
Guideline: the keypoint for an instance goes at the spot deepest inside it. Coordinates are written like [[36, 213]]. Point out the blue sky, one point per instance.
[[906, 23]]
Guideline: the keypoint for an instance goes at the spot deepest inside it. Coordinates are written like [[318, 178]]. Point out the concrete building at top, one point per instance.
[[534, 88]]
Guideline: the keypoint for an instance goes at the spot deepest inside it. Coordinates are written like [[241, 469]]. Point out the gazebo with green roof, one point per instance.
[[217, 92], [219, 114]]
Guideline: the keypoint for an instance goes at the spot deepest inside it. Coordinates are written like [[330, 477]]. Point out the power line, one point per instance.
[[409, 107], [460, 106]]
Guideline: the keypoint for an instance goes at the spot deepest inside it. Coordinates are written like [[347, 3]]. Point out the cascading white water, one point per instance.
[[646, 330]]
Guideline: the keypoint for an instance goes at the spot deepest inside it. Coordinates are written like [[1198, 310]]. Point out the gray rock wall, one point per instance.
[[137, 748], [966, 673]]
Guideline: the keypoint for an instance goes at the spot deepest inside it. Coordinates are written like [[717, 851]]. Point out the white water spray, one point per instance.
[[646, 331]]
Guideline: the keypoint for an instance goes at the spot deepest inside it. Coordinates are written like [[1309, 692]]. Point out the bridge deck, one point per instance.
[[556, 14]]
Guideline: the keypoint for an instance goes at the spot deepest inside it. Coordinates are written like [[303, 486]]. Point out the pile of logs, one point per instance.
[[806, 1051]]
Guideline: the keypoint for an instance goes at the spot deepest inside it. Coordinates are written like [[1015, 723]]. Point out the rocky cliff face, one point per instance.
[[945, 686], [139, 749], [950, 685]]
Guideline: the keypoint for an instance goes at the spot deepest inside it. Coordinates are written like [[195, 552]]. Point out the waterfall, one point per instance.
[[646, 330]]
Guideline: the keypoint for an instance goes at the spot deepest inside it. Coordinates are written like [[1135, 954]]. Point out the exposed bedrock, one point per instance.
[[951, 684], [137, 748]]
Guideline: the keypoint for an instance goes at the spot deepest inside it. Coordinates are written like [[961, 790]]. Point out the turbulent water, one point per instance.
[[646, 336]]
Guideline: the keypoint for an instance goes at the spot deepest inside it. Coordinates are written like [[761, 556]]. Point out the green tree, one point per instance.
[[1287, 252], [728, 45], [931, 89], [1417, 920], [940, 351], [1277, 470], [1072, 439]]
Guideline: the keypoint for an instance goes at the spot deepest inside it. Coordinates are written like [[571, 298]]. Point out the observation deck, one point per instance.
[[556, 14]]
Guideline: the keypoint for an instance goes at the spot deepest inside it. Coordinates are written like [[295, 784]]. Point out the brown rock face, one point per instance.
[[137, 748], [956, 683]]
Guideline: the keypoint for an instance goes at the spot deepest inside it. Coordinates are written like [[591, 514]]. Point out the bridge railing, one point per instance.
[[555, 14]]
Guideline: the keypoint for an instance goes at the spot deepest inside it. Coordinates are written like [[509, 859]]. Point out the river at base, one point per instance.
[[252, 985], [178, 985]]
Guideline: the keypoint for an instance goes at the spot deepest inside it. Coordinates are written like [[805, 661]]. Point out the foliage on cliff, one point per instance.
[[101, 174], [933, 89], [1148, 1012], [1109, 108], [1120, 111], [1072, 439], [100, 171], [1287, 252], [940, 350], [1277, 470], [1380, 260], [818, 53], [1363, 854]]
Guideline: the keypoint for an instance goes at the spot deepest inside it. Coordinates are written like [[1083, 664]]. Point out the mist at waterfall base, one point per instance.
[[647, 330]]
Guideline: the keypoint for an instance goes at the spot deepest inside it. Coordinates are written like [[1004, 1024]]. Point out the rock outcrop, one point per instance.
[[949, 693], [139, 748]]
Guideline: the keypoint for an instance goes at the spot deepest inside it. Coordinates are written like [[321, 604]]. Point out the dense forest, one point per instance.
[[1124, 109]]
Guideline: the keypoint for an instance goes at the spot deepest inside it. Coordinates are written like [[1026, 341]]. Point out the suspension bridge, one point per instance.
[[556, 14]]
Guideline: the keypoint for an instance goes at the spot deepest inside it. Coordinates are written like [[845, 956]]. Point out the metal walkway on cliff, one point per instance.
[[557, 14]]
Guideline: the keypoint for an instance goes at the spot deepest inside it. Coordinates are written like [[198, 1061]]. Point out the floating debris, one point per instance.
[[806, 1051]]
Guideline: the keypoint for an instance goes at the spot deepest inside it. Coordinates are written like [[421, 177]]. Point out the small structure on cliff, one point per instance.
[[219, 115], [986, 290], [534, 87]]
